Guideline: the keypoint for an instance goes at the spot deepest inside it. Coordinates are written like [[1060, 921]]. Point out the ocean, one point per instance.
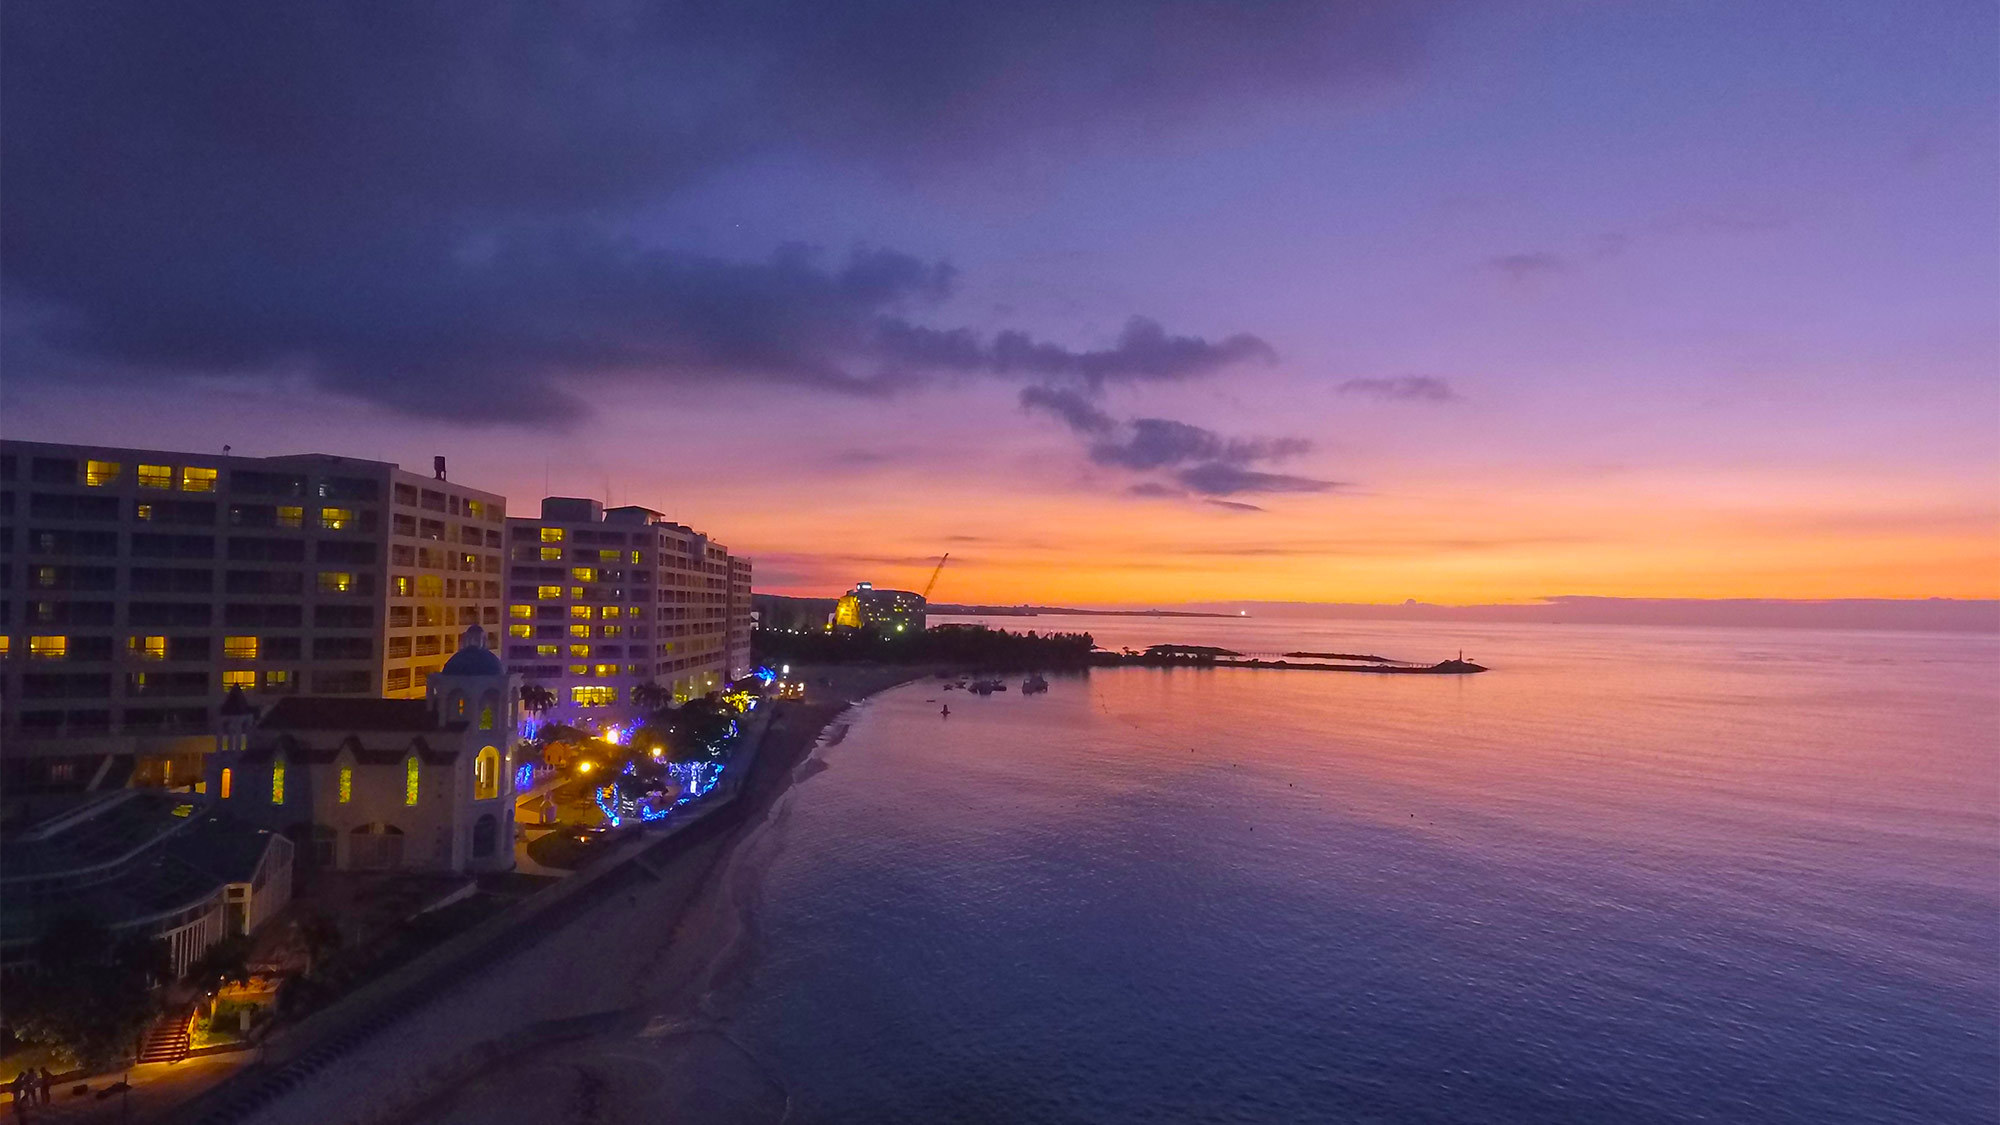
[[1630, 874]]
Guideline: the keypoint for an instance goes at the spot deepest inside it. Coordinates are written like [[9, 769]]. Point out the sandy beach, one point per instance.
[[608, 1015]]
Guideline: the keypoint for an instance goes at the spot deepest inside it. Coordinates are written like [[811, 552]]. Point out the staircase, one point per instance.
[[167, 1040]]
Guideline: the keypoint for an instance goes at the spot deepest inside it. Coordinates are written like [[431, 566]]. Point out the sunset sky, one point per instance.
[[1117, 303]]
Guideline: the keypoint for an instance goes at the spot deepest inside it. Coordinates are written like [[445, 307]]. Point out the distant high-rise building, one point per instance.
[[604, 601], [884, 611], [137, 587]]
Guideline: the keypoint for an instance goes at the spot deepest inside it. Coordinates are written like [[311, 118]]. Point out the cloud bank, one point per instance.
[[427, 206]]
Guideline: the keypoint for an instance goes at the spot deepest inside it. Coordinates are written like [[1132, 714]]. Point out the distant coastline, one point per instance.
[[948, 610]]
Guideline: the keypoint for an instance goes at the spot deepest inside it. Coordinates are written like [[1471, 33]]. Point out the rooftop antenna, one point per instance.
[[225, 451]]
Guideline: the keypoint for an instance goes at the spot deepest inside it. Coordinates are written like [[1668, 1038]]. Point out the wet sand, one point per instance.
[[613, 1015]]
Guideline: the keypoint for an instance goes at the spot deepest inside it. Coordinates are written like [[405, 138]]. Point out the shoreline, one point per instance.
[[689, 899]]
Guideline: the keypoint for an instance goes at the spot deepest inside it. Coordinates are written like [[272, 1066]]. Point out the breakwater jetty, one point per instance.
[[1207, 656]]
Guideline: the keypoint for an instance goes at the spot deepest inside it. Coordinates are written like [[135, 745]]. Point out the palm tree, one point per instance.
[[537, 698], [650, 696]]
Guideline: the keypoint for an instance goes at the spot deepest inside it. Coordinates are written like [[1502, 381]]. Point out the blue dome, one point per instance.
[[473, 658], [473, 662]]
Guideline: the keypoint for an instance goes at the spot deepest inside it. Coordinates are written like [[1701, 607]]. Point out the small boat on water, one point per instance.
[[1034, 684], [986, 687]]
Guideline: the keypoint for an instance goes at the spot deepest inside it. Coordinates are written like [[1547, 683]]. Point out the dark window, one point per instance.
[[253, 515], [244, 549], [90, 648], [343, 648], [264, 582], [187, 648], [169, 613], [52, 470], [344, 552], [344, 616], [175, 511], [45, 505], [172, 546], [359, 682], [49, 686], [150, 685], [174, 580], [348, 488], [281, 648], [50, 541], [285, 615], [267, 484]]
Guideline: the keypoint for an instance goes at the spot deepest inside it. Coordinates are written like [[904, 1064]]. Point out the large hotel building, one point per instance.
[[138, 586], [602, 601]]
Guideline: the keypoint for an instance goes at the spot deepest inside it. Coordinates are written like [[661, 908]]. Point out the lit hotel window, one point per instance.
[[579, 669], [521, 611], [474, 508], [194, 479], [613, 631], [575, 592], [593, 695], [147, 648], [98, 474], [635, 557], [336, 519], [583, 574], [548, 650], [581, 612], [551, 554], [48, 648], [335, 581], [278, 783], [243, 679], [156, 476], [520, 631], [346, 784], [227, 775], [548, 593], [611, 611], [291, 516], [607, 669], [579, 650], [579, 630], [277, 681], [400, 585], [240, 648], [410, 780], [552, 535], [6, 646]]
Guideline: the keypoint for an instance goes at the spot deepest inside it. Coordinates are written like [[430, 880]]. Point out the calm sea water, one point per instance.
[[1629, 875]]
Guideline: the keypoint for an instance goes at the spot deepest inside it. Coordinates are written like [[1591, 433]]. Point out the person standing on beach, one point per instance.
[[945, 711]]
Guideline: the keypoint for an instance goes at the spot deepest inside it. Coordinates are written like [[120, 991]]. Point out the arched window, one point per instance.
[[486, 717], [486, 774], [346, 784], [228, 775], [410, 769], [278, 782], [485, 836]]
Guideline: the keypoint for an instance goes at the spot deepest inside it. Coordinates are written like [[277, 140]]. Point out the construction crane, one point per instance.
[[934, 574]]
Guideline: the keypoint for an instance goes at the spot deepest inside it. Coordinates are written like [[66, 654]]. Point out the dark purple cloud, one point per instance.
[[1073, 407], [1521, 267], [411, 203], [1426, 388], [1219, 479]]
